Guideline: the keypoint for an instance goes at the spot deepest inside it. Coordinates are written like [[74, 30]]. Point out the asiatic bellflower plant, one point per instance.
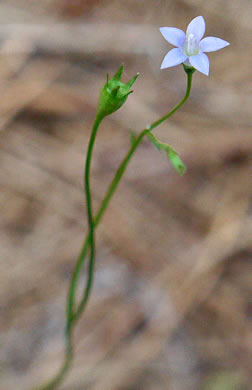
[[190, 47], [190, 51]]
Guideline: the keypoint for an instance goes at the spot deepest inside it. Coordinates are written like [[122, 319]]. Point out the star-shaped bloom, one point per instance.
[[190, 47]]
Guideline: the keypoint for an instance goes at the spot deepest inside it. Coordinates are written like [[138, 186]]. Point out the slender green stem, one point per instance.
[[187, 94], [112, 189], [73, 315], [89, 207], [64, 369], [91, 229], [68, 334], [102, 209]]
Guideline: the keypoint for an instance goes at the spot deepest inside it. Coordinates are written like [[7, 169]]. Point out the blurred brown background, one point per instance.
[[170, 308]]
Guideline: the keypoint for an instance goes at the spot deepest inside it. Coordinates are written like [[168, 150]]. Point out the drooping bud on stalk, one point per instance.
[[114, 93]]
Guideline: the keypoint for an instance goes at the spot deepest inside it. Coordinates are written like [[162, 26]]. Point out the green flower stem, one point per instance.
[[89, 206], [187, 94], [104, 205], [73, 316], [64, 369], [91, 229], [108, 196], [91, 241]]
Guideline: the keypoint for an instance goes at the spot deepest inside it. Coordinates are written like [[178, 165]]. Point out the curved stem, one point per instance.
[[113, 187], [64, 369], [101, 211], [91, 241], [89, 207], [91, 230], [72, 316], [170, 113]]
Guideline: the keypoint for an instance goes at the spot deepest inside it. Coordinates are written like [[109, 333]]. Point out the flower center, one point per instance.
[[191, 46]]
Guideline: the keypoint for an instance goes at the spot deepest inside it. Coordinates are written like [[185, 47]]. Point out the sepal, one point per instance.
[[114, 93], [188, 68]]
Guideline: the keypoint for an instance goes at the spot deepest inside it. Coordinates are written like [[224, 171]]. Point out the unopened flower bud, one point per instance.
[[114, 93]]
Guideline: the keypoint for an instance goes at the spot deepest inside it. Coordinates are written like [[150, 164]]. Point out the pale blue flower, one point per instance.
[[190, 47]]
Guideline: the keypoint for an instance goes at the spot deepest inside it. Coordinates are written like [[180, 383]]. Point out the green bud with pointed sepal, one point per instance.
[[114, 93]]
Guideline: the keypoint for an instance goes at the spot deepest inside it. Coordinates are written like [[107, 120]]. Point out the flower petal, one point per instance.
[[173, 35], [212, 44], [197, 27], [173, 57], [200, 62]]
